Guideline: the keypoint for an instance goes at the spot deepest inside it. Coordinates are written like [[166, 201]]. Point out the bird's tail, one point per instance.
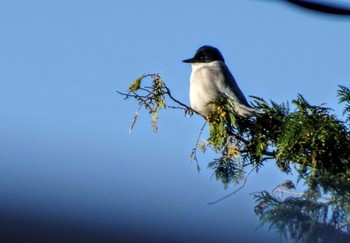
[[243, 109], [246, 111]]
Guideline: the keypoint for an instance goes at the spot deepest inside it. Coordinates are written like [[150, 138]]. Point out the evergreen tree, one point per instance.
[[300, 136]]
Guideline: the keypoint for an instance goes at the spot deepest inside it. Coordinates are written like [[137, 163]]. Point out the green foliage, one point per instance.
[[314, 139], [344, 97], [302, 136], [309, 138], [227, 170], [220, 121], [136, 85], [304, 217], [152, 98]]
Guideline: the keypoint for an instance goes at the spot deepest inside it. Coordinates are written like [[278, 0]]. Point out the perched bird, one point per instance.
[[211, 78]]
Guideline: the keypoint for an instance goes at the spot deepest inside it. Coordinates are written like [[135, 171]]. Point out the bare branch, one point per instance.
[[134, 119], [193, 155], [179, 102], [235, 191]]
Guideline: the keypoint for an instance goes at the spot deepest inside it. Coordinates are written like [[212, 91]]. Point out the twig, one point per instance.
[[134, 119], [299, 194], [193, 155], [179, 102], [125, 94], [176, 107], [236, 136], [238, 189]]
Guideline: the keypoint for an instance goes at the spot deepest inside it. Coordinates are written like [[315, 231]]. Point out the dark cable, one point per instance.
[[321, 7]]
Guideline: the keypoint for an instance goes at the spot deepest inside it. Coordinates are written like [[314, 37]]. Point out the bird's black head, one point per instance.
[[206, 54]]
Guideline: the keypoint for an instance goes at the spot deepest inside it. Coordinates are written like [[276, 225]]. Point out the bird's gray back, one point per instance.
[[230, 87]]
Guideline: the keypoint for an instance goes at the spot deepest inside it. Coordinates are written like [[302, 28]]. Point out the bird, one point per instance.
[[211, 78]]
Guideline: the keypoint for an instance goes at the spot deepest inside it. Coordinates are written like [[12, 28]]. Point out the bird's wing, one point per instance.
[[229, 86]]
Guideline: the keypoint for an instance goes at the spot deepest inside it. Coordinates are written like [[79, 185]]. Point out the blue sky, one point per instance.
[[65, 150]]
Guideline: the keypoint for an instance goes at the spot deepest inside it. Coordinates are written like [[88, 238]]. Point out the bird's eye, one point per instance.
[[201, 57]]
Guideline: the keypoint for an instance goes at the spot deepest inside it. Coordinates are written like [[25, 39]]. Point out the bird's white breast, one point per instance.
[[204, 88]]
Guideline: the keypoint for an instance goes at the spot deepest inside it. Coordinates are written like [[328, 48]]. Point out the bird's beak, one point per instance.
[[190, 60]]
